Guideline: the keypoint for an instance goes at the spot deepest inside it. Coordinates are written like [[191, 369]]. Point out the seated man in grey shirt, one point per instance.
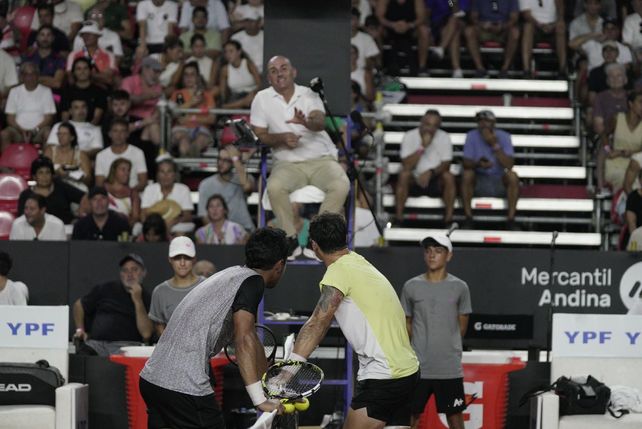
[[175, 382], [233, 183], [167, 295]]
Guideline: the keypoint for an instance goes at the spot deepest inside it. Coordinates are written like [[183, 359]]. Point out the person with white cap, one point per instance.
[[167, 295], [103, 63], [437, 306]]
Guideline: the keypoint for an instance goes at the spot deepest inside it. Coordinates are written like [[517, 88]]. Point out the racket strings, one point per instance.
[[292, 381]]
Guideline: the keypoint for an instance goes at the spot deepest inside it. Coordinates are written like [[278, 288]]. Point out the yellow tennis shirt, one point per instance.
[[371, 318]]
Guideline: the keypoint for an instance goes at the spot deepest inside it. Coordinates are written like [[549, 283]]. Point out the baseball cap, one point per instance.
[[485, 114], [250, 14], [439, 240], [182, 246], [97, 190], [132, 257], [90, 27], [152, 63]]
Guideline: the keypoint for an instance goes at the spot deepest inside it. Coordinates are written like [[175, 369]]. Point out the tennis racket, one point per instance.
[[267, 338], [292, 380]]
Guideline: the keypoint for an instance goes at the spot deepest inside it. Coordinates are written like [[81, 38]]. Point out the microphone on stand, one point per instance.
[[316, 85]]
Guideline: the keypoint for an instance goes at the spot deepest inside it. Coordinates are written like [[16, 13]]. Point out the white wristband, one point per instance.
[[256, 393], [297, 357]]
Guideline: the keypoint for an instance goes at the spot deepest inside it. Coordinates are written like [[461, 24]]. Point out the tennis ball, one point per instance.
[[302, 405], [288, 407]]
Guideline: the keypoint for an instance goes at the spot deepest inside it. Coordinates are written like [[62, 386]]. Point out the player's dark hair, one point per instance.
[[39, 199], [155, 222], [266, 247], [329, 231], [5, 263], [40, 162]]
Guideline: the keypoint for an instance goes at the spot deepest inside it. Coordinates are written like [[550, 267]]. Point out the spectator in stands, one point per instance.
[[597, 81], [138, 100], [240, 79], [233, 183], [116, 18], [154, 230], [374, 28], [206, 65], [108, 41], [103, 63], [45, 13], [8, 76], [204, 268], [114, 314], [633, 212], [36, 223], [362, 76], [167, 189], [217, 19], [404, 23], [30, 110], [191, 133], [11, 292], [631, 34], [102, 224], [251, 38], [447, 24], [167, 295], [239, 11], [59, 195], [122, 198], [71, 165], [369, 53], [426, 154], [83, 87], [219, 230], [144, 133], [67, 16], [622, 157], [90, 138], [120, 148], [587, 26], [9, 33], [171, 61], [50, 64], [612, 101], [212, 37], [488, 163], [543, 19], [291, 120], [493, 21], [156, 20], [611, 35], [607, 8]]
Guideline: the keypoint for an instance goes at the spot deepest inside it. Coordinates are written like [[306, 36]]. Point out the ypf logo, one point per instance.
[[631, 287]]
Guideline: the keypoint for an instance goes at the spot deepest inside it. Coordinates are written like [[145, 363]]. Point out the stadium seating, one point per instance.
[[18, 157], [11, 185], [6, 219]]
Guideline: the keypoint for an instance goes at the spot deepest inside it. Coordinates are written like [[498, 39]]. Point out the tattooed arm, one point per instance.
[[317, 325]]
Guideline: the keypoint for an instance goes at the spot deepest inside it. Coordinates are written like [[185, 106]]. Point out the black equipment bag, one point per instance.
[[590, 397], [29, 383]]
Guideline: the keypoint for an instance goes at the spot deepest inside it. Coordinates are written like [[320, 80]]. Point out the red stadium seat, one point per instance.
[[11, 185], [18, 157], [22, 18], [6, 219]]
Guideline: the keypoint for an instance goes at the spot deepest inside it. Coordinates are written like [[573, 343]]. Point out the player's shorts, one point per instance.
[[449, 395], [386, 400], [170, 409]]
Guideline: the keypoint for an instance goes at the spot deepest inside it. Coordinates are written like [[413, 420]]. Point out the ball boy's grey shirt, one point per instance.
[[435, 310]]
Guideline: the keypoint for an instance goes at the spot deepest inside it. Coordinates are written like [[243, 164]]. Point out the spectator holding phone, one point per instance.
[[488, 167]]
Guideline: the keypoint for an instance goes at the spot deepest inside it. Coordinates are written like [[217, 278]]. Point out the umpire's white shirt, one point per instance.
[[53, 230], [271, 111]]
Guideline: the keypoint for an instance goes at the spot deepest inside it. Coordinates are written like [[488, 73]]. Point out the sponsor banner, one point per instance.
[[34, 326], [597, 335], [500, 326]]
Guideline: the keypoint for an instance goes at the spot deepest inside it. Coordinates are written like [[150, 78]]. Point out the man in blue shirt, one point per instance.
[[488, 163], [493, 21]]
